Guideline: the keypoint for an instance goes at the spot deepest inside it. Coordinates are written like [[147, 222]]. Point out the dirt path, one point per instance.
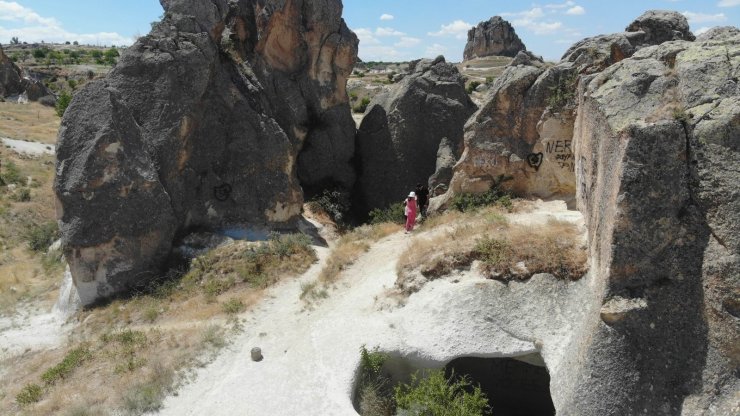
[[30, 148], [311, 357]]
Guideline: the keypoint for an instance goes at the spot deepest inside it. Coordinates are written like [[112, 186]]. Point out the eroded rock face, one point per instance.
[[494, 37], [653, 27], [217, 117], [524, 129], [11, 79], [13, 83], [398, 140], [657, 145]]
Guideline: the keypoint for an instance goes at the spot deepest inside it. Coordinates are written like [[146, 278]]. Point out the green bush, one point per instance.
[[11, 174], [493, 251], [468, 201], [62, 103], [233, 306], [39, 53], [362, 106], [148, 396], [471, 87], [562, 94], [72, 360], [394, 214], [21, 195], [40, 237], [434, 395], [489, 80], [336, 203], [374, 392], [31, 393]]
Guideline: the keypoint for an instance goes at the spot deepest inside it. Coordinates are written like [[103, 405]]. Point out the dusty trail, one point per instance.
[[311, 357]]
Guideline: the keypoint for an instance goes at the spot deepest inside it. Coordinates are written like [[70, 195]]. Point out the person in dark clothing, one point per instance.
[[422, 197]]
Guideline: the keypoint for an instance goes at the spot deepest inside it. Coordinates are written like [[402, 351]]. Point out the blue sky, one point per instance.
[[389, 30]]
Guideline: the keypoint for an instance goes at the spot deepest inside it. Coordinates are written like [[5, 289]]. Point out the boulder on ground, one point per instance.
[[219, 116]]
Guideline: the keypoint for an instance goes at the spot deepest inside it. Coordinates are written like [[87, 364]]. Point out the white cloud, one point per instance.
[[407, 42], [387, 31], [704, 17], [728, 3], [560, 5], [531, 20], [386, 16], [459, 29], [435, 50], [14, 12], [701, 30], [49, 29], [576, 11], [535, 13], [366, 37]]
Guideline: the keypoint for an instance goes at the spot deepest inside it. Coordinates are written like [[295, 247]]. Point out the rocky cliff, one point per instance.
[[11, 79], [218, 117], [524, 127], [399, 138], [657, 151], [13, 83], [645, 124], [492, 37]]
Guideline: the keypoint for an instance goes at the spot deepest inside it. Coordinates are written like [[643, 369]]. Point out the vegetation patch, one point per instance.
[[393, 214], [429, 392], [505, 251], [71, 361], [494, 196]]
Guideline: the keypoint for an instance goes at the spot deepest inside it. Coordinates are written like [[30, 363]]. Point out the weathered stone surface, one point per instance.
[[11, 79], [527, 58], [525, 127], [219, 116], [654, 27], [398, 139], [493, 37], [13, 83], [515, 134], [657, 151], [661, 26]]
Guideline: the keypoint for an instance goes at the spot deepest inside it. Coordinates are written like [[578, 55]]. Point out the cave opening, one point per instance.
[[515, 386]]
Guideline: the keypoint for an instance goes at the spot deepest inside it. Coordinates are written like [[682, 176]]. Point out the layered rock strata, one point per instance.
[[218, 117]]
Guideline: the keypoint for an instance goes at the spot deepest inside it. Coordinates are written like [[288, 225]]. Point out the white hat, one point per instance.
[[412, 195]]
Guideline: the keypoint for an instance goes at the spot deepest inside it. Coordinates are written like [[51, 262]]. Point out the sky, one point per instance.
[[389, 30]]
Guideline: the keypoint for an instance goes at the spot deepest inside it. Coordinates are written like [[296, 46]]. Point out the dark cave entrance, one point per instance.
[[518, 386], [514, 387]]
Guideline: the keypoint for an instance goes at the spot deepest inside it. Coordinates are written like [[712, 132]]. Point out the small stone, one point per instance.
[[257, 354]]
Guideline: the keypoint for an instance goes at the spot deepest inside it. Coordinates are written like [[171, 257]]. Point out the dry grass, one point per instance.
[[124, 370], [347, 250], [31, 121], [137, 350], [506, 251], [25, 275]]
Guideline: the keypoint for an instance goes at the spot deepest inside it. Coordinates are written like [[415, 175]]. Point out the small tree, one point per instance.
[[62, 103], [14, 40], [39, 53]]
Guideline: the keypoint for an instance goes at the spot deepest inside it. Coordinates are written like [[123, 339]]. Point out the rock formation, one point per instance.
[[524, 128], [657, 151], [652, 121], [11, 78], [492, 37], [218, 117], [398, 140]]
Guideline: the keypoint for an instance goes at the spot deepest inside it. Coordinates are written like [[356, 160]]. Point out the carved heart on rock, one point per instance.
[[535, 160]]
